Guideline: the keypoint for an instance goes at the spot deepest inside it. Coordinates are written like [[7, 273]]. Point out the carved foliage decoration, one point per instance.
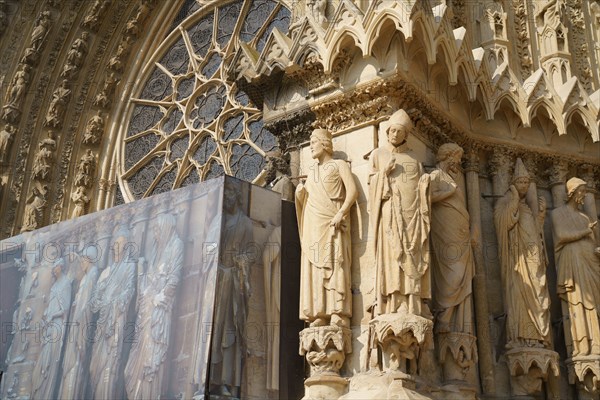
[[188, 122]]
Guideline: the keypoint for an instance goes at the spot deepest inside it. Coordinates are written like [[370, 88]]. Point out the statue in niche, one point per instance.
[[157, 288], [19, 83], [6, 138], [316, 10], [451, 240], [233, 287], [399, 212], [47, 367], [133, 26], [85, 169], [111, 300], [75, 363], [32, 218], [41, 161], [58, 105], [277, 178], [523, 263], [94, 129], [93, 17], [81, 201], [116, 62], [108, 88], [578, 264], [40, 31], [323, 203]]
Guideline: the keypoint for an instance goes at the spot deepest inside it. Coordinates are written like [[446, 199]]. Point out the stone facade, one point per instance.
[[106, 102]]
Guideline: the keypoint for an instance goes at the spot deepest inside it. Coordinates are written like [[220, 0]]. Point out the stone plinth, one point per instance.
[[458, 354], [400, 338], [325, 349], [586, 371], [529, 367]]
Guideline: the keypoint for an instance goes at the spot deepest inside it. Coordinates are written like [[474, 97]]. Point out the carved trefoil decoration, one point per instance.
[[325, 349], [529, 368], [400, 339]]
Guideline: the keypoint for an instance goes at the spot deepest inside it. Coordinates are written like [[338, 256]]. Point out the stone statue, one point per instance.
[[551, 14], [523, 263], [94, 129], [316, 10], [323, 205], [19, 83], [92, 19], [578, 265], [58, 105], [111, 300], [103, 99], [47, 368], [6, 138], [85, 169], [157, 288], [40, 31], [116, 62], [81, 200], [233, 287], [42, 159], [278, 179], [75, 363], [451, 240], [399, 212], [32, 217]]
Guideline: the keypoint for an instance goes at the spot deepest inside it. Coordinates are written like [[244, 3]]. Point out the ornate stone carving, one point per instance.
[[32, 217], [94, 15], [133, 26], [454, 266], [86, 169], [38, 37], [12, 111], [75, 57], [277, 176], [529, 367], [291, 130], [6, 138], [117, 61], [523, 50], [401, 338], [104, 97], [325, 297], [58, 105], [325, 349], [43, 160], [94, 129], [523, 263], [398, 186], [577, 259], [81, 201]]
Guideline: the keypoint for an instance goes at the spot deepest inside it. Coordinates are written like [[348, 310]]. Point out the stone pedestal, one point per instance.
[[585, 370], [457, 354], [399, 338], [529, 367], [325, 349]]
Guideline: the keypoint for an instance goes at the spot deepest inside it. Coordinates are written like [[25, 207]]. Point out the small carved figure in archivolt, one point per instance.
[[58, 105], [94, 129], [85, 169], [6, 138], [42, 159]]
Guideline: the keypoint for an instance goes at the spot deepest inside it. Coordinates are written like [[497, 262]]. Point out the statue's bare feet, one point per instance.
[[318, 322], [342, 322]]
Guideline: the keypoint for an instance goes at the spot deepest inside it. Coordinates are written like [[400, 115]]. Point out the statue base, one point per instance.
[[457, 354], [325, 349], [529, 367], [325, 387], [585, 370], [400, 339]]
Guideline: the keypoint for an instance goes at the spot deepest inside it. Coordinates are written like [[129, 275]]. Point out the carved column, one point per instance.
[[500, 164], [589, 203], [485, 345], [325, 349], [558, 178]]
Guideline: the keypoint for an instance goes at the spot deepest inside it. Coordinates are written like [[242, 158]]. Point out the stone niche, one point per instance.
[[174, 296]]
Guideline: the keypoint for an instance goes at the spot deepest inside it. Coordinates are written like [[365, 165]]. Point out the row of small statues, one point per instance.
[[95, 303], [411, 211]]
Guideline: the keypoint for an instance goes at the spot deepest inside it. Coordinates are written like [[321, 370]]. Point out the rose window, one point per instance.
[[188, 123]]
